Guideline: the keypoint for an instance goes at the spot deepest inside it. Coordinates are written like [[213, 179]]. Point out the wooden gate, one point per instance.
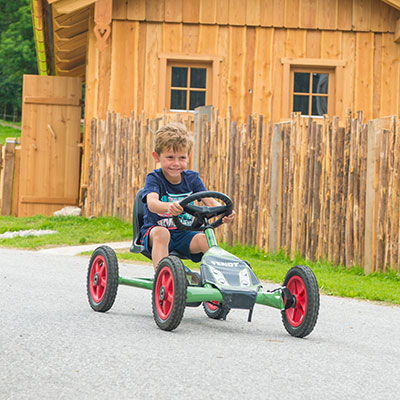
[[50, 152]]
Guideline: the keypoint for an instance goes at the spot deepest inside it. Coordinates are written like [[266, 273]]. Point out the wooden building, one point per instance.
[[268, 57]]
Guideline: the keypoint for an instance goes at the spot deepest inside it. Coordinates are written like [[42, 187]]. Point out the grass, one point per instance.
[[8, 131], [333, 280], [70, 231]]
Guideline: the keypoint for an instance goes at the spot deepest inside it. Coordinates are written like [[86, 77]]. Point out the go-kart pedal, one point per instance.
[[193, 279]]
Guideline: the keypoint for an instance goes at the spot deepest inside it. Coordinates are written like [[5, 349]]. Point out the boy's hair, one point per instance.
[[173, 136]]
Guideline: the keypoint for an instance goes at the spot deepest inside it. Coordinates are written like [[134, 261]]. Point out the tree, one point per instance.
[[17, 52]]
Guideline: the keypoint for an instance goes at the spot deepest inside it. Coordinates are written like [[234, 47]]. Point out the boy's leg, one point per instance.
[[198, 244], [159, 240]]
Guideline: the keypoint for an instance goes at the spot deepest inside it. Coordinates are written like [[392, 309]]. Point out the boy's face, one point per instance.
[[172, 163]]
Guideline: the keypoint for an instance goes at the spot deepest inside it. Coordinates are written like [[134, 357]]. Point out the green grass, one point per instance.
[[333, 280], [7, 131], [70, 231]]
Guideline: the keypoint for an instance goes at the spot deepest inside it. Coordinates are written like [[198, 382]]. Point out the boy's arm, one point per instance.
[[157, 206]]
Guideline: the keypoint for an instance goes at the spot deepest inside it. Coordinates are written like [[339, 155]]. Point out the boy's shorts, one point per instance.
[[179, 241]]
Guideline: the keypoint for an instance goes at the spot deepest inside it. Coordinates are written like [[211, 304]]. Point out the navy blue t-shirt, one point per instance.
[[168, 192]]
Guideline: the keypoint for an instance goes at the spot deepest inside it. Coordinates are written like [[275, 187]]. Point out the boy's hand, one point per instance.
[[229, 218], [175, 208]]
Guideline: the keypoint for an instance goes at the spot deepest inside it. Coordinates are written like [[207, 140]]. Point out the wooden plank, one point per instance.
[[292, 13], [172, 38], [173, 10], [249, 70], [313, 44], [331, 45], [208, 12], [263, 81], [344, 15], [276, 175], [327, 14], [364, 73], [253, 12], [222, 17], [155, 10], [237, 12], [277, 73], [380, 15], [124, 57], [207, 40], [191, 11], [8, 175], [119, 9], [190, 38], [308, 14], [136, 10], [60, 101], [49, 200], [362, 15], [389, 82], [17, 171], [278, 13]]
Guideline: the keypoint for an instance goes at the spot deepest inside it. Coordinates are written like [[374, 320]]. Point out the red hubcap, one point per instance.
[[98, 279], [212, 306], [164, 293], [295, 316]]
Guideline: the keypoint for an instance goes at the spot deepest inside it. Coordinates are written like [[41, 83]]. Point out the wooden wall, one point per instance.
[[251, 38]]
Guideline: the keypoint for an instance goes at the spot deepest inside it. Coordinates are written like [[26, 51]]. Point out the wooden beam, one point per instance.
[[69, 6], [393, 3], [396, 36]]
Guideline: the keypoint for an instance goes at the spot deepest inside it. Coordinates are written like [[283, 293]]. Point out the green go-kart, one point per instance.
[[224, 282]]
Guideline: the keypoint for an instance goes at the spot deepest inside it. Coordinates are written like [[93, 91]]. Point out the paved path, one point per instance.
[[53, 346]]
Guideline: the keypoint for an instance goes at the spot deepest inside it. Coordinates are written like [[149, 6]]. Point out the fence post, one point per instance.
[[276, 177], [369, 201], [8, 174]]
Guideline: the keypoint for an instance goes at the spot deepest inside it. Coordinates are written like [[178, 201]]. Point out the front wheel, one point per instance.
[[102, 279], [300, 319], [169, 293], [215, 311]]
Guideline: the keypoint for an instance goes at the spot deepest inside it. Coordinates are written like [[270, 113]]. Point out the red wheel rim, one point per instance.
[[295, 316], [98, 279], [165, 291], [212, 306]]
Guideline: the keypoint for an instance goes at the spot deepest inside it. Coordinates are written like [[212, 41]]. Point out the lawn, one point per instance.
[[8, 131]]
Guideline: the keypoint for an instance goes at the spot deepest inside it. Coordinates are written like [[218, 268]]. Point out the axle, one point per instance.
[[209, 293]]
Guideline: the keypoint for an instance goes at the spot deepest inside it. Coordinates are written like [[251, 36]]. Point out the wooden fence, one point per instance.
[[323, 189]]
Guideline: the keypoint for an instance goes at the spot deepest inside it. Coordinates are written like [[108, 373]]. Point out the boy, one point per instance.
[[164, 189]]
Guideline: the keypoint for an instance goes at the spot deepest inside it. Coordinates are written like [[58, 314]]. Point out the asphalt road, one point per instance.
[[53, 346]]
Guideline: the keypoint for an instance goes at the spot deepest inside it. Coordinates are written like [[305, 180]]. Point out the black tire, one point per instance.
[[300, 320], [215, 312], [169, 293], [102, 279]]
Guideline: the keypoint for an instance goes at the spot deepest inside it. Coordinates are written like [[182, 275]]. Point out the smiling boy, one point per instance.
[[164, 189]]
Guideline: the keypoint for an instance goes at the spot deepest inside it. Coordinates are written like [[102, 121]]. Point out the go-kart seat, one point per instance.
[[137, 222]]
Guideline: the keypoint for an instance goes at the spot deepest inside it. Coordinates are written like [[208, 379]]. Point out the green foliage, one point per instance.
[[17, 51]]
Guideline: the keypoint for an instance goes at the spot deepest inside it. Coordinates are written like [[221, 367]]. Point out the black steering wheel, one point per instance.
[[200, 213]]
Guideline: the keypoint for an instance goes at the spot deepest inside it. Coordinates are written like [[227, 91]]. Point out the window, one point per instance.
[[189, 86], [312, 86], [310, 93]]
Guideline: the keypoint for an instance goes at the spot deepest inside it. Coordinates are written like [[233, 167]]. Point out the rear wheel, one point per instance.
[[215, 311], [102, 279], [169, 293], [300, 319]]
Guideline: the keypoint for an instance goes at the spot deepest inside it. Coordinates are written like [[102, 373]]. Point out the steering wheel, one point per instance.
[[201, 212]]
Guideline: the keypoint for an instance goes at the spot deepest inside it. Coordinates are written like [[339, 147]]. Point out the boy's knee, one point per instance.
[[159, 234]]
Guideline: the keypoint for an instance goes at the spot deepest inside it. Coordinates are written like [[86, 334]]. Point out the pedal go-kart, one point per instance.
[[224, 282]]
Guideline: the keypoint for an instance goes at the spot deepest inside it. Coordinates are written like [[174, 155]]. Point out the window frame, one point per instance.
[[335, 90], [166, 60]]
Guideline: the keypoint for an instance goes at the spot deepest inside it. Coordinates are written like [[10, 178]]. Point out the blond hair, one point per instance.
[[174, 136]]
